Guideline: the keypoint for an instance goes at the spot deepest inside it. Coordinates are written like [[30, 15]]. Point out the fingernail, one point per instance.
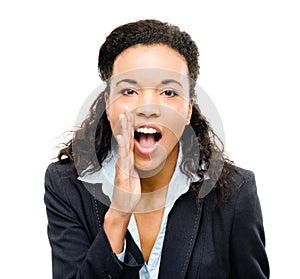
[[121, 116]]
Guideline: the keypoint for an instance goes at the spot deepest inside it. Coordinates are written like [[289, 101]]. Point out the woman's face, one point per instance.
[[152, 82]]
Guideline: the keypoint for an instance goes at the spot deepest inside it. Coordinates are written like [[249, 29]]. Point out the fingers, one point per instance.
[[122, 138], [127, 190], [127, 129], [125, 141], [130, 128]]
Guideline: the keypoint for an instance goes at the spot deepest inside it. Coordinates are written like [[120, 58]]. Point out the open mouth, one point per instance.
[[146, 139]]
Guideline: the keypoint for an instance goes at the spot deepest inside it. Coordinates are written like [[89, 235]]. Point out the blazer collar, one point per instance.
[[181, 233]]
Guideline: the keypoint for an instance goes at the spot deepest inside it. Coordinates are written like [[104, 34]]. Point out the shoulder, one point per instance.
[[246, 197], [237, 186], [243, 183], [59, 176], [238, 180], [61, 170], [241, 208], [61, 180], [244, 201]]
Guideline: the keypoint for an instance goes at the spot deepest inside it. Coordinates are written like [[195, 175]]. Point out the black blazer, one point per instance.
[[200, 242]]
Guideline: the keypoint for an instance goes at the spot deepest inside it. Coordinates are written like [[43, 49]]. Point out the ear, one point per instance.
[[106, 99]]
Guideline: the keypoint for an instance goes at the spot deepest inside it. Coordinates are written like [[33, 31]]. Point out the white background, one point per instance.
[[48, 66]]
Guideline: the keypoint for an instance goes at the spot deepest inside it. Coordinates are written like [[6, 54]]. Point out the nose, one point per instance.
[[148, 104]]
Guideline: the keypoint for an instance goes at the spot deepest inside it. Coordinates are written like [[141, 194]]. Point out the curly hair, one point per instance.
[[95, 132]]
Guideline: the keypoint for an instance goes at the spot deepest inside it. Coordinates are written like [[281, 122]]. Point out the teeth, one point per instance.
[[146, 130]]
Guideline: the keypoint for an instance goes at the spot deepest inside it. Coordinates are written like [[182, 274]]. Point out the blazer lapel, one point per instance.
[[181, 233]]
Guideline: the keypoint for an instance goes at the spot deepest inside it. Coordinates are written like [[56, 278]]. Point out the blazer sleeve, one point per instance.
[[74, 253], [248, 255]]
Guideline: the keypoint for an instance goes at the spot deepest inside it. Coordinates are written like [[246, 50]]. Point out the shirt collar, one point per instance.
[[178, 185]]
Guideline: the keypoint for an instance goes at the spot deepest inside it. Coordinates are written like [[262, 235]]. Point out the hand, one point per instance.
[[127, 190]]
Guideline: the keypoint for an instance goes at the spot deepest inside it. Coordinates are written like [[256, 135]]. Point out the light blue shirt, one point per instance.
[[178, 185]]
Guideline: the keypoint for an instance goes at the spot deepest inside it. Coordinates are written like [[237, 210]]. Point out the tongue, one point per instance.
[[147, 140]]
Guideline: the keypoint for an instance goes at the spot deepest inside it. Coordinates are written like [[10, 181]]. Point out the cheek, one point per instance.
[[181, 105], [174, 120], [178, 109]]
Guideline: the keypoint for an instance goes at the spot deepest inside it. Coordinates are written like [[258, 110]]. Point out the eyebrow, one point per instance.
[[167, 81], [132, 81]]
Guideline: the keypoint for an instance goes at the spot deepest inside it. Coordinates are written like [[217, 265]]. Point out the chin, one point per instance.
[[148, 167]]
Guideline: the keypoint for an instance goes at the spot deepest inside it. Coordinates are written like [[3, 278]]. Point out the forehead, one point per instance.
[[151, 78], [160, 57]]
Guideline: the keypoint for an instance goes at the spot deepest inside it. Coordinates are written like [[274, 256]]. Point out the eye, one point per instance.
[[128, 91], [169, 93]]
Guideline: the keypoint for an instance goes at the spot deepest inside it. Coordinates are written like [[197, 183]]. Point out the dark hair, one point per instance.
[[147, 32], [95, 131]]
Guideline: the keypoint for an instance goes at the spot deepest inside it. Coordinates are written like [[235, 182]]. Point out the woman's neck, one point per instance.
[[163, 177], [155, 188]]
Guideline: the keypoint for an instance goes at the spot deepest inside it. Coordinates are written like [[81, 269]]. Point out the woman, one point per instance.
[[144, 190]]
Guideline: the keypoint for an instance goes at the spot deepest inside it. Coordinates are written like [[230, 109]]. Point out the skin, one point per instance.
[[149, 86]]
